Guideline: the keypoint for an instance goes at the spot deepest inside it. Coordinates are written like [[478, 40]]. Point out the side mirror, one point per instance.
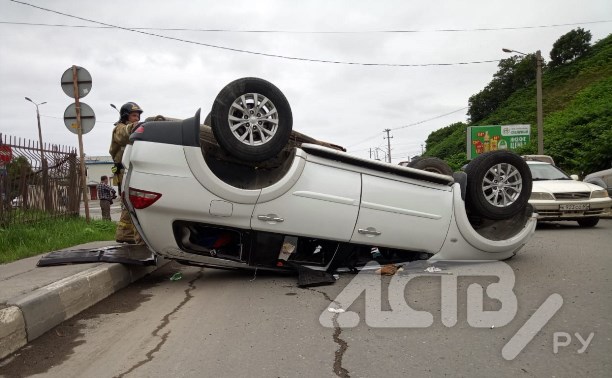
[[575, 177]]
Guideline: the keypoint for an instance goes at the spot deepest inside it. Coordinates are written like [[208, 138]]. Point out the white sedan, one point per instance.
[[320, 208], [556, 196]]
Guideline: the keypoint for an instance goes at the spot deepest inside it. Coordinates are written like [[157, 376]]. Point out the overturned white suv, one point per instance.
[[226, 206]]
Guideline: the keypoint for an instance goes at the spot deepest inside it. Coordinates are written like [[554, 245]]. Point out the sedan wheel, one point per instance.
[[251, 119], [499, 184]]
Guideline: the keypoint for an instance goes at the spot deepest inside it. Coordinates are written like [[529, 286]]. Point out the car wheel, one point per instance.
[[432, 164], [207, 119], [498, 184], [588, 222], [251, 119]]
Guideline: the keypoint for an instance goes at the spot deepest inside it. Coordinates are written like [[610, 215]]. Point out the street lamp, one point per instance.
[[43, 161], [538, 55], [42, 155]]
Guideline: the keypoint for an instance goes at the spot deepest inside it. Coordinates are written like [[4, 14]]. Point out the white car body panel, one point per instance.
[[403, 213], [313, 206]]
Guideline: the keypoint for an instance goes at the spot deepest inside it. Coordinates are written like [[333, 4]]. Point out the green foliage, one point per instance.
[[570, 46], [448, 143], [514, 73], [17, 166], [577, 115], [25, 240], [579, 136]]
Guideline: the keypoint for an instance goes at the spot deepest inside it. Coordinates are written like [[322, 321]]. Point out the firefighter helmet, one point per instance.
[[127, 108]]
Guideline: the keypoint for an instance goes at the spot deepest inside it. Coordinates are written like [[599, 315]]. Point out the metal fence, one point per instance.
[[37, 183]]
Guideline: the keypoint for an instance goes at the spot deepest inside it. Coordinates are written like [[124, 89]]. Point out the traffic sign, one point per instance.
[[6, 153], [88, 118], [83, 82]]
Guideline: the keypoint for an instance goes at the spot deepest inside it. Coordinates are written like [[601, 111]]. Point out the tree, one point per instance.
[[17, 169], [570, 46], [514, 73]]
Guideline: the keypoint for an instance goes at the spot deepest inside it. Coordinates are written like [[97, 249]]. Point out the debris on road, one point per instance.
[[388, 270]]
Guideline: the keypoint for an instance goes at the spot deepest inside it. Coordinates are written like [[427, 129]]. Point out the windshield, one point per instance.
[[547, 172]]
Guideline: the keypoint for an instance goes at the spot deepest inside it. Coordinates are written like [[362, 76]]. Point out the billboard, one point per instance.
[[481, 139]]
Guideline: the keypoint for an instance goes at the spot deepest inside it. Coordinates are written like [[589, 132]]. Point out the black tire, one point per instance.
[[588, 222], [207, 119], [432, 164], [485, 184], [267, 127]]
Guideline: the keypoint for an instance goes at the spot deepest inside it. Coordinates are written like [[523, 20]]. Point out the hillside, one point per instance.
[[577, 107]]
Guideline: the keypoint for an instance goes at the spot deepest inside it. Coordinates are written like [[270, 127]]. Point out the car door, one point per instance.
[[403, 213], [323, 203]]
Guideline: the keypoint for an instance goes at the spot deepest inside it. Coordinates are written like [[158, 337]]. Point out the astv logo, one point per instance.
[[401, 315]]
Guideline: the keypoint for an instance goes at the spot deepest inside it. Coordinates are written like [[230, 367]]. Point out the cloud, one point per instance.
[[344, 104]]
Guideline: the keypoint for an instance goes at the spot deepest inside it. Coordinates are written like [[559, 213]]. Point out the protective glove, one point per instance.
[[117, 168]]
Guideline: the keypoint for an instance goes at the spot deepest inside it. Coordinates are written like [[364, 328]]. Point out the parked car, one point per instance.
[[320, 208], [601, 178], [556, 196], [17, 202], [543, 158]]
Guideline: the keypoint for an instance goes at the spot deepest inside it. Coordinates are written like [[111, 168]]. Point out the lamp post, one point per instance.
[[43, 161], [540, 117], [42, 154]]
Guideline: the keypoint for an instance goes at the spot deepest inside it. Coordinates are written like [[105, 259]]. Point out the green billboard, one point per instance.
[[481, 139]]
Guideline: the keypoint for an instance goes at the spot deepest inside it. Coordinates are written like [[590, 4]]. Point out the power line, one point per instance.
[[405, 126], [430, 119], [256, 52], [280, 31]]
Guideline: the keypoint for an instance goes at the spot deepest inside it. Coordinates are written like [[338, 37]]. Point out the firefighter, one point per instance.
[[129, 116]]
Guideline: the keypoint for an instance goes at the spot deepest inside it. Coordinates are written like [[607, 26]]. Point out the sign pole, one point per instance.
[[80, 134]]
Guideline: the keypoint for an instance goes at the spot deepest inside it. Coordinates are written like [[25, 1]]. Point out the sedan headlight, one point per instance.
[[599, 194], [538, 196]]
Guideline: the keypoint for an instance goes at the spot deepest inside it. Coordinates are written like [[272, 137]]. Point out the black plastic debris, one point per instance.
[[124, 254], [310, 277]]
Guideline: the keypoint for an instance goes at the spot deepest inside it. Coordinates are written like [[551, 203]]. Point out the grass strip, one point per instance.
[[25, 240]]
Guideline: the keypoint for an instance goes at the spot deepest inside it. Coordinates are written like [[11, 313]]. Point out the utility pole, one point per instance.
[[388, 144], [539, 115], [422, 151], [539, 102]]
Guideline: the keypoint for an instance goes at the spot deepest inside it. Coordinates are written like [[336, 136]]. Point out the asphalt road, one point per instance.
[[224, 323]]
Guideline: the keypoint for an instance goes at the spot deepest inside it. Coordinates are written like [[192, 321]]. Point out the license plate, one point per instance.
[[574, 206]]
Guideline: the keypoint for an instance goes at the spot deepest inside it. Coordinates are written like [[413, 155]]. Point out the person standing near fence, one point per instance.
[[106, 194], [129, 116]]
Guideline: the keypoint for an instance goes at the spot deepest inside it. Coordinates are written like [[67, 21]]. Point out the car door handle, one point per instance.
[[369, 231], [270, 218]]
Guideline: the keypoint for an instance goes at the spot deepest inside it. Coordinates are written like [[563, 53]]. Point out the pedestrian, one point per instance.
[[129, 115], [106, 195]]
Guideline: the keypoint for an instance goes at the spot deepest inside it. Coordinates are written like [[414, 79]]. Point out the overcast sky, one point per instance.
[[345, 104]]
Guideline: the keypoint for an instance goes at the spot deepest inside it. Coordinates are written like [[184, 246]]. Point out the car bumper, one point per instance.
[[463, 242], [551, 210]]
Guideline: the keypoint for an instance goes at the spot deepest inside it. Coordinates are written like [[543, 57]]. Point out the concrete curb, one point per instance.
[[12, 330], [29, 316]]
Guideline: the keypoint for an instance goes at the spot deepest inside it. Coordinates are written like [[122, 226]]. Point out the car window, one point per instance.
[[547, 172]]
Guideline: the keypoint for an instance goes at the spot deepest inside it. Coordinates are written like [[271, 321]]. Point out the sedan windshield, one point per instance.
[[547, 172]]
